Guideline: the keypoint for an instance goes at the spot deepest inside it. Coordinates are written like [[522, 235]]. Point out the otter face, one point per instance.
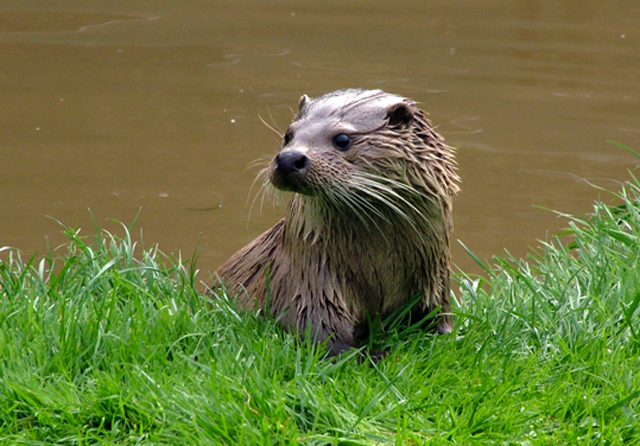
[[332, 142]]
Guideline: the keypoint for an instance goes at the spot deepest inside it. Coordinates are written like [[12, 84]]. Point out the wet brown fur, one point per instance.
[[366, 229]]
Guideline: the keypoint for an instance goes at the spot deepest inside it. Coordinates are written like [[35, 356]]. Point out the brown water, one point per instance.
[[125, 105]]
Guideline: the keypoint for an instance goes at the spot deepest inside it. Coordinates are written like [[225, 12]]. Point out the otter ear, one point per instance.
[[400, 115], [302, 102]]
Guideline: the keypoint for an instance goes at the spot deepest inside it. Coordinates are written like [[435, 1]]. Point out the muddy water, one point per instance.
[[120, 106]]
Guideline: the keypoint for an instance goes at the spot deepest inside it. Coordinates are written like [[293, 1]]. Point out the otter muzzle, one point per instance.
[[289, 170]]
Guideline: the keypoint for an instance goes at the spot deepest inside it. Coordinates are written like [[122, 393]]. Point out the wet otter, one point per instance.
[[368, 225]]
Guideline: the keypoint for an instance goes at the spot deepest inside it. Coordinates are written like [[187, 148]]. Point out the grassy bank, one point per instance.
[[112, 344]]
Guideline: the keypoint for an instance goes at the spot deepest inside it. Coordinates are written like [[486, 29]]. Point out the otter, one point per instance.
[[368, 224]]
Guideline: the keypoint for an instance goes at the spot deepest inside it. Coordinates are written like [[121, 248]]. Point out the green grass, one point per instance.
[[109, 343]]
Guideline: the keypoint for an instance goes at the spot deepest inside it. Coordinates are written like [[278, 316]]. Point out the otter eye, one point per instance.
[[288, 136], [341, 142]]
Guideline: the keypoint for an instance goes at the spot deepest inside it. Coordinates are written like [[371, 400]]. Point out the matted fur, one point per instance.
[[366, 229]]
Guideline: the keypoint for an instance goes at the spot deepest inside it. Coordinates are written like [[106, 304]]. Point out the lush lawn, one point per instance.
[[113, 344]]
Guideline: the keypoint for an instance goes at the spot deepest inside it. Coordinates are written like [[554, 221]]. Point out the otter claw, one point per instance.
[[444, 328]]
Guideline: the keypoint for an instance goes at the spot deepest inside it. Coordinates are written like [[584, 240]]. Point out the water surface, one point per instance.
[[120, 106]]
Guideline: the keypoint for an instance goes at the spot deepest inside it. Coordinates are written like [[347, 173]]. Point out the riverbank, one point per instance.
[[108, 343]]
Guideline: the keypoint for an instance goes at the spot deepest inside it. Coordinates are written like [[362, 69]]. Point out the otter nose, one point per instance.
[[290, 161]]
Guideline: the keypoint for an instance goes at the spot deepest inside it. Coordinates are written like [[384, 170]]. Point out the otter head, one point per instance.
[[353, 146]]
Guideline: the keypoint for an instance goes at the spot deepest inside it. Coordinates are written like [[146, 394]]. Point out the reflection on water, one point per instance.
[[159, 106], [31, 22]]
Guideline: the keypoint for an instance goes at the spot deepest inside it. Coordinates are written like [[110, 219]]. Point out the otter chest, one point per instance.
[[379, 273]]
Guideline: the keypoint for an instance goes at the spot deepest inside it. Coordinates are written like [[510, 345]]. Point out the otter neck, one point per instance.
[[315, 222]]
